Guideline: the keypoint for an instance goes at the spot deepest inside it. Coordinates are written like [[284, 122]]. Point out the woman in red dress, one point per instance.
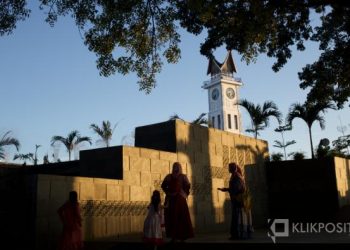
[[178, 225], [69, 213]]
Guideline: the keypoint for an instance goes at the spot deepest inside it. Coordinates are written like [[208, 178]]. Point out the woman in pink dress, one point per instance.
[[69, 213]]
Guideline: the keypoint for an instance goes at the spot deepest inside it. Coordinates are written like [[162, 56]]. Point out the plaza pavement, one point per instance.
[[220, 241]]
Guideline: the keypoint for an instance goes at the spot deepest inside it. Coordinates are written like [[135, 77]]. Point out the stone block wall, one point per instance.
[[116, 207], [342, 173]]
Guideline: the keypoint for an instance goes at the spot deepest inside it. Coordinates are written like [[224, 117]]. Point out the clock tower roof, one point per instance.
[[228, 66]]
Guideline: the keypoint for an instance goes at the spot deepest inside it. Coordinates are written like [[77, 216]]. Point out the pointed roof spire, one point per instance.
[[228, 66], [214, 67]]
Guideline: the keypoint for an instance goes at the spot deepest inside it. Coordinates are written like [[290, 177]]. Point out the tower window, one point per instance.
[[213, 121], [236, 122], [229, 120], [219, 122]]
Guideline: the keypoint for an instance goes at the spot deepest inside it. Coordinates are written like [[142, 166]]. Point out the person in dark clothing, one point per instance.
[[241, 227], [178, 225]]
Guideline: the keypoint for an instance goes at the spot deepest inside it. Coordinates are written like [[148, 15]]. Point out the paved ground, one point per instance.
[[220, 240]]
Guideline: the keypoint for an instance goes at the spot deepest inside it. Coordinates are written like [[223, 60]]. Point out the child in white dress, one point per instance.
[[153, 227]]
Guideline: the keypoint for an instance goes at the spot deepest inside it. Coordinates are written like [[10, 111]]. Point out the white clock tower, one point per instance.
[[223, 95]]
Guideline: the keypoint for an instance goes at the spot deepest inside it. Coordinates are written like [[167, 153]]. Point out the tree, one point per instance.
[[309, 112], [71, 141], [24, 157], [276, 157], [323, 149], [297, 156], [12, 11], [260, 116], [343, 142], [133, 36], [35, 159], [200, 120], [105, 131], [7, 141], [283, 144]]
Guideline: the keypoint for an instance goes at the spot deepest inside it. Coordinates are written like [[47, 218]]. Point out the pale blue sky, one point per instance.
[[50, 86]]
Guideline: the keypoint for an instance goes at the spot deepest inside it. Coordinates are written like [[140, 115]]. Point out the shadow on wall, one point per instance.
[[255, 176], [192, 148]]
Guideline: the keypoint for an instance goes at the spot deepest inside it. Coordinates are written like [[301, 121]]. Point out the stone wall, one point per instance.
[[342, 173], [115, 207]]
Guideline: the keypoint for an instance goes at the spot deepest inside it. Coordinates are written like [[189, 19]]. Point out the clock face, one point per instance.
[[230, 93], [215, 94]]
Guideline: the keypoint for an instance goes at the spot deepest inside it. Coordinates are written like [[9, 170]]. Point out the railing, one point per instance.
[[225, 76]]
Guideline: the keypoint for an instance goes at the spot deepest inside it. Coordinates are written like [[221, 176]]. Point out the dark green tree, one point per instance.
[[6, 140], [260, 115], [309, 112], [134, 36], [71, 141]]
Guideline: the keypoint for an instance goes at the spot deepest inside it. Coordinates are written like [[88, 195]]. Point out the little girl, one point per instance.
[[153, 226]]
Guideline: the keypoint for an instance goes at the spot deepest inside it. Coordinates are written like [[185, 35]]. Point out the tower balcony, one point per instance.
[[217, 78]]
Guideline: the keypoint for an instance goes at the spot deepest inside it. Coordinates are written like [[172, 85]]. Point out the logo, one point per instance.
[[278, 228]]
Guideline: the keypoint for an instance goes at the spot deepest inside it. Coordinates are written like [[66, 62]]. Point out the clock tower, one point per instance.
[[223, 95]]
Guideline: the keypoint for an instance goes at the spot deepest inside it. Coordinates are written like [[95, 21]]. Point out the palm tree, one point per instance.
[[71, 141], [200, 120], [260, 115], [24, 157], [309, 112], [7, 141], [35, 154], [105, 131], [283, 144]]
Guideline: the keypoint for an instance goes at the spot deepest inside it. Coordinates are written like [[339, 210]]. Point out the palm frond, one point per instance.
[[201, 119], [7, 141], [278, 144], [83, 139], [288, 143], [174, 117]]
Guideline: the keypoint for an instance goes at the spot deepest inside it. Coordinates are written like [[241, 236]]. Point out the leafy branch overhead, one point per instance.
[[135, 36]]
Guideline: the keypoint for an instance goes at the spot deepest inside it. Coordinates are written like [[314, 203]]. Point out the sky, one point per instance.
[[50, 86]]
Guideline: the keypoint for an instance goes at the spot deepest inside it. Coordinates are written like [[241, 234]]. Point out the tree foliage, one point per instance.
[[342, 144], [134, 36], [71, 141], [281, 129], [309, 112], [25, 157], [260, 115], [6, 140], [200, 120], [105, 131], [12, 11]]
